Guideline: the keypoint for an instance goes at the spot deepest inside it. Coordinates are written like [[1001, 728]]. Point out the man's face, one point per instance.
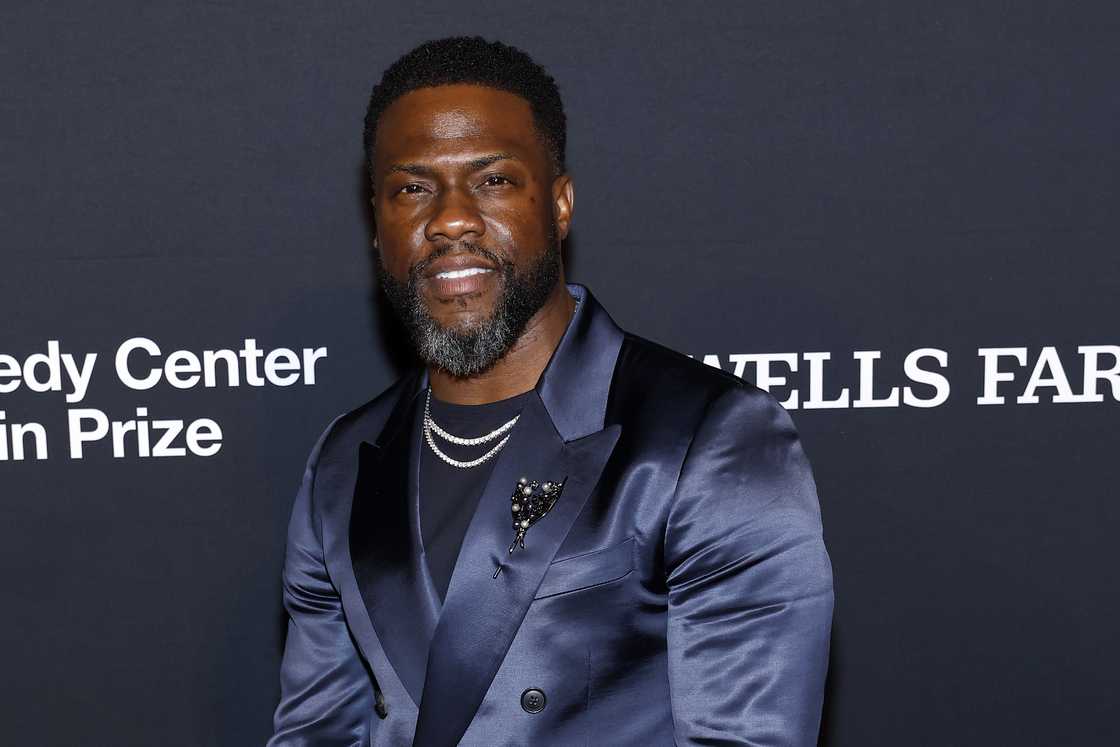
[[469, 219]]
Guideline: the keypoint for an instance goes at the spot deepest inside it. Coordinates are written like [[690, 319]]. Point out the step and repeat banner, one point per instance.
[[899, 218]]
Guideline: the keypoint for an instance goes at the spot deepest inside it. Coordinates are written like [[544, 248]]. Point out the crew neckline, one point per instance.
[[455, 408]]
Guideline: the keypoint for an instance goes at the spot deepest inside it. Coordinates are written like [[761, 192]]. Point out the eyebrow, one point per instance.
[[476, 164]]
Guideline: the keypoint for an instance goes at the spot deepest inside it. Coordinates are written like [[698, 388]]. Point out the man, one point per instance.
[[553, 532]]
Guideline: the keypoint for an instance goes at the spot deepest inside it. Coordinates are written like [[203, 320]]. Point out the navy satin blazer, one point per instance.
[[679, 591]]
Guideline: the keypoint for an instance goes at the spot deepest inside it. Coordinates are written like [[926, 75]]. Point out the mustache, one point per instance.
[[459, 247]]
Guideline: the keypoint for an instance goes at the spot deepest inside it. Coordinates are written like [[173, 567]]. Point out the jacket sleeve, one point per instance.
[[749, 581], [326, 696]]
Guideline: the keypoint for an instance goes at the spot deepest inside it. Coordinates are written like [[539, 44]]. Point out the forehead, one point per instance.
[[459, 118]]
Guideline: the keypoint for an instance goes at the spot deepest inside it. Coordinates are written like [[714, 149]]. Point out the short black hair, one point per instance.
[[472, 59]]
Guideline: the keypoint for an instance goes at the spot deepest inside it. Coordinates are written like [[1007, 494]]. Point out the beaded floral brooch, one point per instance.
[[530, 501]]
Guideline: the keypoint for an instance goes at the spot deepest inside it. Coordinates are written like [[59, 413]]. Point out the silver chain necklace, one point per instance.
[[430, 425]]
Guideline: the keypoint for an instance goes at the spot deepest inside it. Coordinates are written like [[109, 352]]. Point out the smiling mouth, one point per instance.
[[464, 273]]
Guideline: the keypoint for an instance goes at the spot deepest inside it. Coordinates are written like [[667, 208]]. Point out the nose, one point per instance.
[[456, 215]]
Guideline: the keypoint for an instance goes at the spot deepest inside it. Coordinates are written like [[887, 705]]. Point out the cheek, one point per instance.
[[402, 244], [502, 232], [523, 226]]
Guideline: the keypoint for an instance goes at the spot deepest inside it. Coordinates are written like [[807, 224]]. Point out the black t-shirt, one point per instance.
[[449, 495]]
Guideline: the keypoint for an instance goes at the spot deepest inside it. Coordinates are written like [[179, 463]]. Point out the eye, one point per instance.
[[411, 189], [496, 180]]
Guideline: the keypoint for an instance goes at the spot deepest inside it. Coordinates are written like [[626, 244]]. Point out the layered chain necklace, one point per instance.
[[430, 426]]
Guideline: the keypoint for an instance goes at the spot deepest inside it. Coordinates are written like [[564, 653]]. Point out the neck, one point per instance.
[[520, 368]]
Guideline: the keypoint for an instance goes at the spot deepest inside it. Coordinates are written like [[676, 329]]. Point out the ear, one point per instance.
[[563, 202], [373, 215]]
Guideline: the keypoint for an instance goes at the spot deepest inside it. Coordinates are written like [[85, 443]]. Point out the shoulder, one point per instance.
[[347, 430], [663, 383], [743, 478], [743, 488]]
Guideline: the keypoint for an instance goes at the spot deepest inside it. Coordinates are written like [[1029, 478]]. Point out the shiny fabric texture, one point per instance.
[[679, 592]]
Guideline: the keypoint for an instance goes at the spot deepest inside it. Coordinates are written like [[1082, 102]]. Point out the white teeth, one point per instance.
[[452, 274]]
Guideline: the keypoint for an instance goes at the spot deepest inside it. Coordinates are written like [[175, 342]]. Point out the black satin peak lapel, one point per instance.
[[386, 548], [482, 613]]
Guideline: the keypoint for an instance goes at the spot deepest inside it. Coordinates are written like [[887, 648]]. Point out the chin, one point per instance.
[[461, 313], [462, 323]]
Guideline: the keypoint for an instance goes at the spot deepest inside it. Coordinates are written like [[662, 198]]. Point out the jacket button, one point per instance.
[[532, 700]]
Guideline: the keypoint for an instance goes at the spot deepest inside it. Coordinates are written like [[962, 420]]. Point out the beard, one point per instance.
[[470, 348]]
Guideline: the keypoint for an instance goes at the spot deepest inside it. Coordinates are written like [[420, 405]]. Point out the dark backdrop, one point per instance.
[[765, 177]]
